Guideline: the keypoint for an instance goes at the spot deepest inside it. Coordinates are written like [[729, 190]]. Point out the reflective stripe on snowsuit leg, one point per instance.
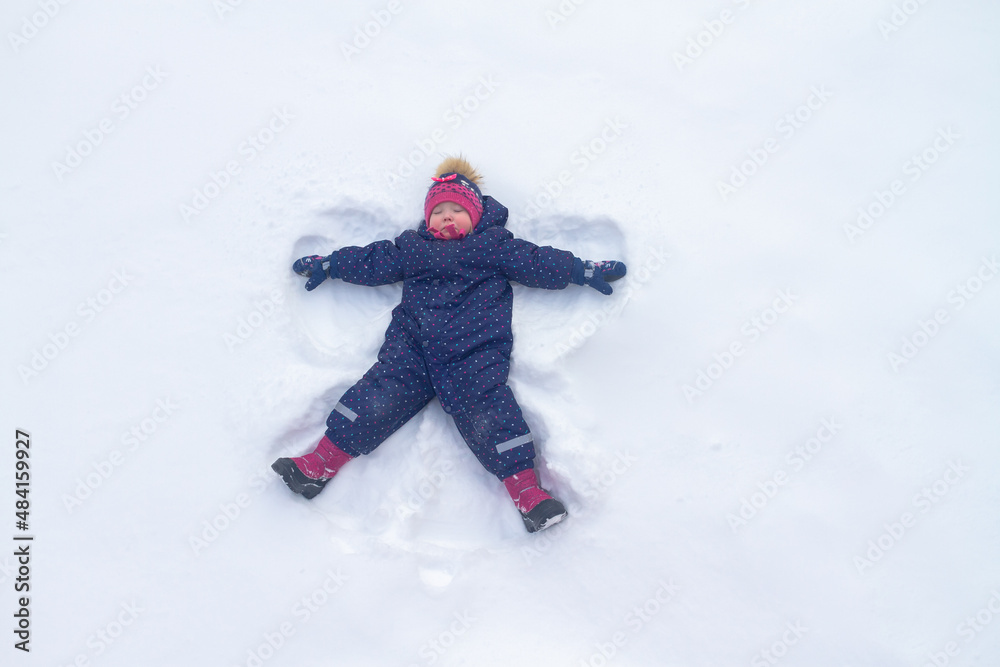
[[346, 411], [514, 442], [393, 390]]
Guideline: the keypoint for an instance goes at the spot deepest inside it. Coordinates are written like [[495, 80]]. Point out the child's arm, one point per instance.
[[378, 263], [535, 266], [551, 268], [374, 264]]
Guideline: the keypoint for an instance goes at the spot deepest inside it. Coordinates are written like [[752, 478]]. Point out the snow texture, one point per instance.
[[777, 439]]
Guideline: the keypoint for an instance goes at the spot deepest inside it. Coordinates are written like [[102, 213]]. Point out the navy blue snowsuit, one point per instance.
[[450, 337]]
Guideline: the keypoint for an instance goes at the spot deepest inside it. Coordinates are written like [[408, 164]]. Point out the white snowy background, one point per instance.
[[778, 439]]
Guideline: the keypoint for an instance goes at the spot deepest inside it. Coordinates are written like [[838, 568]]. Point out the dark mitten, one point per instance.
[[317, 268], [597, 274]]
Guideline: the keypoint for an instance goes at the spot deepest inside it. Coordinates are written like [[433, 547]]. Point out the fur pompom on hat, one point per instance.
[[456, 181]]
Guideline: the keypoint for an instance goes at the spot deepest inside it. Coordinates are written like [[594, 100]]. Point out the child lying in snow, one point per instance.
[[450, 337]]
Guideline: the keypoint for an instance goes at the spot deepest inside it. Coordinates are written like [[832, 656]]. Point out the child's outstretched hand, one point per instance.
[[316, 267], [597, 274]]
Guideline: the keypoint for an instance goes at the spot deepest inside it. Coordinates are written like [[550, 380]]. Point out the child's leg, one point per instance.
[[496, 432], [491, 422], [390, 393]]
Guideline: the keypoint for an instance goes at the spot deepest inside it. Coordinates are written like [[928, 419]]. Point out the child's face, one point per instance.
[[449, 220]]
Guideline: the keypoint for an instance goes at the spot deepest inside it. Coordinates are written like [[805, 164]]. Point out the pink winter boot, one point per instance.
[[538, 509], [308, 474]]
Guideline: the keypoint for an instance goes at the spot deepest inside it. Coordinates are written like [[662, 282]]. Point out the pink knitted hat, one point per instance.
[[456, 188], [456, 181]]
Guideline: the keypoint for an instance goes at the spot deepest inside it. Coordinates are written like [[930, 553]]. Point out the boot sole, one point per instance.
[[294, 478], [544, 515]]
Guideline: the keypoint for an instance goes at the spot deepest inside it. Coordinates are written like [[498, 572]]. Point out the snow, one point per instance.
[[777, 439]]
